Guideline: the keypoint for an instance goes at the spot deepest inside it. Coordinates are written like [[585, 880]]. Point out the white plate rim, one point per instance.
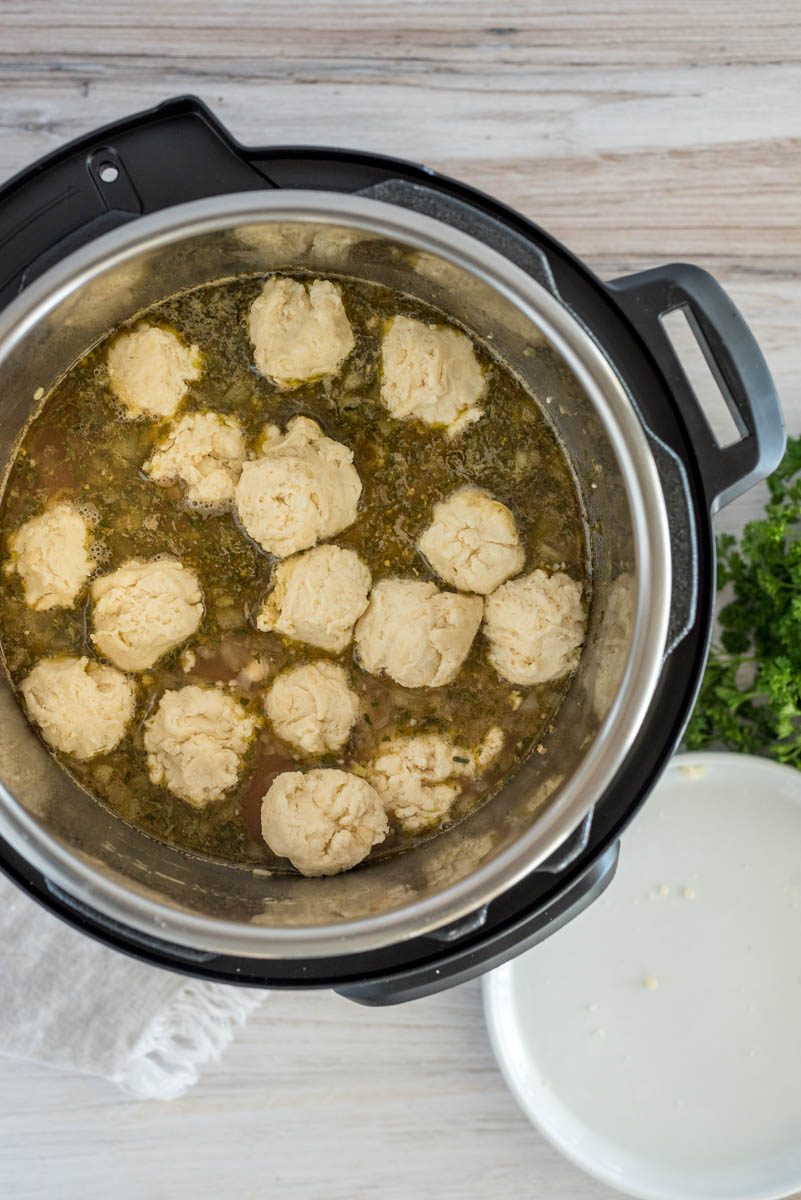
[[498, 1019]]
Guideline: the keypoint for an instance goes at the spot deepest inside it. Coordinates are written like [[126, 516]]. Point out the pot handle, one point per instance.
[[458, 964], [175, 152], [735, 361]]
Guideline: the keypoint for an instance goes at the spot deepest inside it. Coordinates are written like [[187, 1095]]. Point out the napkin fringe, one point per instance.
[[193, 1030]]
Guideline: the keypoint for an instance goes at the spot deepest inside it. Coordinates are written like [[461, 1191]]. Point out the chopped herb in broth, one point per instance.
[[79, 448]]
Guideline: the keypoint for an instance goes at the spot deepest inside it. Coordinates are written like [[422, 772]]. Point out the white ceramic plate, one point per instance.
[[656, 1040]]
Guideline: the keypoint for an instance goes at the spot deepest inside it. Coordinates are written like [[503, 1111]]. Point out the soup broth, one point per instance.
[[81, 448]]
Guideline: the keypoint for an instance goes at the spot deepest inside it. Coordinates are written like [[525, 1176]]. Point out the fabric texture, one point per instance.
[[69, 1002]]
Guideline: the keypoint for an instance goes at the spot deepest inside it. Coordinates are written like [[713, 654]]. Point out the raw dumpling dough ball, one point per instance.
[[50, 553], [535, 627], [143, 609], [317, 597], [419, 635], [313, 707], [299, 331], [418, 778], [149, 369], [82, 708], [205, 450], [430, 372], [472, 542], [302, 489], [324, 821], [195, 741]]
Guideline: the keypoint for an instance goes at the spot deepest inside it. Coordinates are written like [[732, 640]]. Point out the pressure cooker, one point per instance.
[[166, 200]]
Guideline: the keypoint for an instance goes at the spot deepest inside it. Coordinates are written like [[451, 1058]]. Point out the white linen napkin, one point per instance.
[[67, 1001]]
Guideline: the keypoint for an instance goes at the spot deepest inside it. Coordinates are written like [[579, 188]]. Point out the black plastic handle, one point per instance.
[[491, 950], [167, 155], [735, 360]]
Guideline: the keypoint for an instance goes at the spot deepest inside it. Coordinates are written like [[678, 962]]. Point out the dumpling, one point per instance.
[[324, 821], [299, 331], [317, 597], [50, 553], [301, 489], [195, 741], [419, 778], [419, 635], [430, 372], [82, 708], [205, 451], [143, 609], [535, 626], [313, 707], [472, 542], [149, 370]]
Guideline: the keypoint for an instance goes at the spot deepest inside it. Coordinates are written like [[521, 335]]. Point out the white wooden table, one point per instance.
[[637, 133]]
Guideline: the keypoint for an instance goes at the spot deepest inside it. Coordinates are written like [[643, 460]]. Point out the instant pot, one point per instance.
[[166, 200]]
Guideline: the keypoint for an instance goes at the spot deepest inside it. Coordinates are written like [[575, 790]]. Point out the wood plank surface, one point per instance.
[[637, 133]]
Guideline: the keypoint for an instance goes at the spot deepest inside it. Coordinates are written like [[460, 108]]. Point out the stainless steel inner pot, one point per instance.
[[114, 869]]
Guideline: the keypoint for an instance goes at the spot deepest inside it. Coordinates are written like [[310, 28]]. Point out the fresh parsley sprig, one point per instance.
[[750, 697]]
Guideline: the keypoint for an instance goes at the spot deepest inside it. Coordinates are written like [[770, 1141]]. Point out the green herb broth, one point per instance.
[[80, 448]]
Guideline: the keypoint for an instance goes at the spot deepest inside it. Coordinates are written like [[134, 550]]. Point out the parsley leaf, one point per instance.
[[750, 697]]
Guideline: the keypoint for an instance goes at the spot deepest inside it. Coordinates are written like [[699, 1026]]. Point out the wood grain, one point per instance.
[[637, 133]]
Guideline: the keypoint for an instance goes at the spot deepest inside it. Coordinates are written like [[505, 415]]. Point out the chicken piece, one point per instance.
[[299, 331], [149, 370], [301, 489], [324, 821], [472, 542], [205, 451], [431, 373], [143, 609], [81, 707], [535, 626], [317, 597], [419, 778], [195, 741], [50, 553], [313, 707], [419, 635]]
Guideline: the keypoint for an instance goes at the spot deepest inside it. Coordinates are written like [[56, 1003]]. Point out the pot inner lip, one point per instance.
[[614, 407]]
